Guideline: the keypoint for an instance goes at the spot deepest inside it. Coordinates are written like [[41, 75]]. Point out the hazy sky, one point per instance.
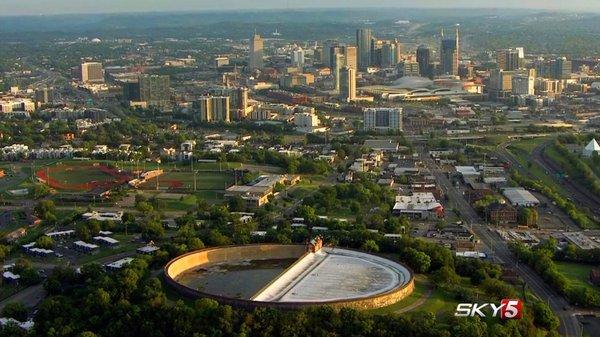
[[16, 7]]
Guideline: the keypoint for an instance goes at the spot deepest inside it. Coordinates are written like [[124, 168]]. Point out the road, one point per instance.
[[30, 297], [499, 251]]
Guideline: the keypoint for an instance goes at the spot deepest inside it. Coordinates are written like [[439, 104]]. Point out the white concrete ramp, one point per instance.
[[335, 274]]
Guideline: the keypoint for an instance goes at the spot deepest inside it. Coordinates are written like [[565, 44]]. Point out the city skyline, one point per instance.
[[36, 7]]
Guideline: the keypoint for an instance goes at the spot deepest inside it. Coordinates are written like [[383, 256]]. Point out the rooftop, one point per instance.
[[520, 196]]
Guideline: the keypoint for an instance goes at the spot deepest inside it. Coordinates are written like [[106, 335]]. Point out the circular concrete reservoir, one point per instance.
[[290, 277]]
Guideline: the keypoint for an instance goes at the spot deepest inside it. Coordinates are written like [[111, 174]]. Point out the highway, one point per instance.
[[499, 251]]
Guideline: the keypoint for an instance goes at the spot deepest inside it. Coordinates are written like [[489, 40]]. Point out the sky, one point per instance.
[[35, 7]]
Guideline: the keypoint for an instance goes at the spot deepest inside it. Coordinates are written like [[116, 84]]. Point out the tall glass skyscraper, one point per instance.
[[449, 54], [363, 43]]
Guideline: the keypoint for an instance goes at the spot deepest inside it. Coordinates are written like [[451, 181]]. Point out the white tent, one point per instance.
[[591, 148]]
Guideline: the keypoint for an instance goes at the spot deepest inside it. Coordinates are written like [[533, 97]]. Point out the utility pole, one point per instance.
[[157, 184]]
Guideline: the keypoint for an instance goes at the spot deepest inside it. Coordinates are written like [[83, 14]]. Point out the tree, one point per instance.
[[15, 310], [44, 242], [528, 216], [417, 260], [237, 204], [152, 230], [445, 275], [4, 251], [87, 334], [543, 316], [215, 238], [308, 213], [370, 246], [440, 225], [46, 210]]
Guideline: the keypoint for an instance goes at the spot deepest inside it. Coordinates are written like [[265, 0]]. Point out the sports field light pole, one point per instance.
[[158, 161], [195, 172]]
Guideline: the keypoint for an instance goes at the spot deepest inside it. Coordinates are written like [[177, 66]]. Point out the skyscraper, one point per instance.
[[450, 54], [238, 100], [91, 72], [348, 84], [212, 109], [561, 68], [155, 90], [363, 43], [338, 65], [44, 96], [508, 59], [327, 59], [333, 52], [424, 60], [500, 85], [350, 55], [523, 85], [298, 58], [256, 53], [388, 55]]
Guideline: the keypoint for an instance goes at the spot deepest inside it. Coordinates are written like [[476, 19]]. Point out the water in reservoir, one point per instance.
[[239, 279]]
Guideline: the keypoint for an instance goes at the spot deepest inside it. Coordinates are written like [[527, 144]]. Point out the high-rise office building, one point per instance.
[[298, 58], [238, 100], [333, 52], [561, 68], [351, 57], [256, 53], [155, 90], [450, 54], [327, 58], [500, 85], [388, 55], [523, 85], [91, 72], [212, 109], [382, 119], [44, 96], [131, 90], [363, 44], [408, 68], [348, 84], [338, 64], [424, 61], [508, 59]]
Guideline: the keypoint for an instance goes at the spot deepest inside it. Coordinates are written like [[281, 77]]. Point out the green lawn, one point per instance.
[[577, 274], [186, 203], [522, 152], [78, 174], [185, 180], [439, 302], [529, 144], [421, 286]]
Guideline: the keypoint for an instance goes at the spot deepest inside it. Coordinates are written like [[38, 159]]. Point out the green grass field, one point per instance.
[[185, 180], [421, 287], [577, 274], [522, 152], [80, 175]]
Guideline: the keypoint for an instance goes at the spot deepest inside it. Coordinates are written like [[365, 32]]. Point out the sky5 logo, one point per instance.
[[508, 309]]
